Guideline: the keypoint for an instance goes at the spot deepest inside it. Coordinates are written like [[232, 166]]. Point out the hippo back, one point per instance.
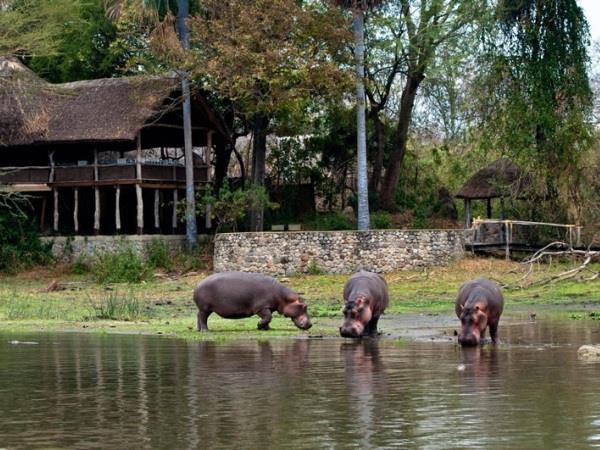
[[240, 285], [371, 284], [487, 288]]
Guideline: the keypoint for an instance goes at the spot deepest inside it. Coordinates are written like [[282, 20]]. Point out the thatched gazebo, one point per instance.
[[501, 179], [95, 152]]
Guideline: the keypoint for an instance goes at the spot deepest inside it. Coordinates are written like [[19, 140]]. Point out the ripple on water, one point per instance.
[[85, 391]]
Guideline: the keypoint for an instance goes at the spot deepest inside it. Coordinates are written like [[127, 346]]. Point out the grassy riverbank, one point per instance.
[[53, 299]]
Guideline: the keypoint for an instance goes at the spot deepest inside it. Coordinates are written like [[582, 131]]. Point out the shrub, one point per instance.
[[333, 221], [81, 266], [381, 220], [117, 307], [20, 244], [123, 265], [200, 258], [313, 268], [158, 255]]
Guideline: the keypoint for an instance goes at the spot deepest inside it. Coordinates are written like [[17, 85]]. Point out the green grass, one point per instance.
[[165, 305]]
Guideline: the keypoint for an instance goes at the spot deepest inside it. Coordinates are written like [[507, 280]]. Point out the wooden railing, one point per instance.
[[107, 174]]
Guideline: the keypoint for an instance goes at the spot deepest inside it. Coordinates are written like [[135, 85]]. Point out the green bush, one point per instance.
[[332, 221], [194, 260], [313, 268], [20, 244], [123, 265], [381, 220], [117, 307], [81, 266], [158, 255]]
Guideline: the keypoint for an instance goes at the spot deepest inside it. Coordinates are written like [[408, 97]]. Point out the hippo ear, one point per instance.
[[462, 307]]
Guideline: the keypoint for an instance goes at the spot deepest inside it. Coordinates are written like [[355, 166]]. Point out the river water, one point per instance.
[[115, 391]]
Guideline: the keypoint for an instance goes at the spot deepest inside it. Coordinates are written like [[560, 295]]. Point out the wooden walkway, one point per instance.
[[507, 244]]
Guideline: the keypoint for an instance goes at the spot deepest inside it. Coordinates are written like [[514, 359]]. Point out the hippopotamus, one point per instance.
[[479, 304], [366, 296], [234, 295]]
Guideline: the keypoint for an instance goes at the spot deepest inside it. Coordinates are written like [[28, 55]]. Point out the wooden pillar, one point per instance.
[[507, 231], [174, 217], [207, 210], [96, 196], [467, 213], [55, 222], [76, 210], [489, 208], [54, 192], [156, 210], [138, 185], [51, 158], [118, 209]]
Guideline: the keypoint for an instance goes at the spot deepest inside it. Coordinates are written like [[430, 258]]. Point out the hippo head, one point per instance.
[[295, 308], [357, 314], [474, 321]]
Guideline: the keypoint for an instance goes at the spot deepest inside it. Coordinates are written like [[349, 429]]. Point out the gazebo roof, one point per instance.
[[34, 112], [502, 178]]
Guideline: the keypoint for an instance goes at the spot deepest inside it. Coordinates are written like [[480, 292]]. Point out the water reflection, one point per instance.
[[85, 391]]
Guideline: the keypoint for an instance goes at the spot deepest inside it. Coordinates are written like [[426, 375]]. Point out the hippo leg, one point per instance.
[[371, 328], [202, 320], [494, 333], [265, 316]]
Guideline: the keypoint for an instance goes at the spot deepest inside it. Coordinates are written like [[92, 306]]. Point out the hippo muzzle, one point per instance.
[[352, 330], [469, 338], [303, 322]]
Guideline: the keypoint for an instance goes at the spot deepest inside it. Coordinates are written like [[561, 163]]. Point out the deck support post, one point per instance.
[[467, 213], [507, 233], [76, 210], [55, 222], [138, 185], [96, 195], [174, 216], [118, 209], [156, 210], [207, 210]]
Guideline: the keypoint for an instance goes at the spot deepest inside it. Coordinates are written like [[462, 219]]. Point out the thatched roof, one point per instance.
[[34, 112], [502, 178]]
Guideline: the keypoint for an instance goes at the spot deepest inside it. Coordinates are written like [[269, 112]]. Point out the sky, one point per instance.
[[592, 12]]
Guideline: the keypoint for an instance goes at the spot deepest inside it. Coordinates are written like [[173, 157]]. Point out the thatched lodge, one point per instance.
[[500, 180], [100, 156]]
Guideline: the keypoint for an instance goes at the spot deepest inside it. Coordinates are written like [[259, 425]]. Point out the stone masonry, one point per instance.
[[380, 251], [69, 249]]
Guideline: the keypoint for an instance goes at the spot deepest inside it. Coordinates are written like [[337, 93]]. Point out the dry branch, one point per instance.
[[557, 249]]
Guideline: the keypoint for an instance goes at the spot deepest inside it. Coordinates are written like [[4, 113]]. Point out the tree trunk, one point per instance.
[[380, 137], [222, 158], [191, 231], [361, 127], [392, 176], [259, 154]]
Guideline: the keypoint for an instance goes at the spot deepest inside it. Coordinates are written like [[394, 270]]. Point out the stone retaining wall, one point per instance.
[[336, 251], [70, 248]]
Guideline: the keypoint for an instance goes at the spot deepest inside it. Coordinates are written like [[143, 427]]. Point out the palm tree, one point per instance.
[[113, 8], [358, 8]]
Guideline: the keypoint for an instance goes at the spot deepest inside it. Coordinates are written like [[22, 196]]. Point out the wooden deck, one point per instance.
[[153, 175]]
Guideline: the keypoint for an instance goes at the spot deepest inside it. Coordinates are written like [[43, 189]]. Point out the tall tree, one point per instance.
[[36, 27], [358, 8], [538, 101], [428, 24], [266, 56], [157, 10], [191, 232]]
